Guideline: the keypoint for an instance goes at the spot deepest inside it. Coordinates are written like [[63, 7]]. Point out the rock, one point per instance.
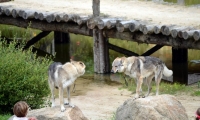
[[54, 113], [161, 107]]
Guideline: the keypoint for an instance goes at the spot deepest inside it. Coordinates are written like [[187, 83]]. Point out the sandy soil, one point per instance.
[[99, 99]]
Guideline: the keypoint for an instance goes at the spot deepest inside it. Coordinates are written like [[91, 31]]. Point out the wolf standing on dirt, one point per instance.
[[142, 67], [62, 76]]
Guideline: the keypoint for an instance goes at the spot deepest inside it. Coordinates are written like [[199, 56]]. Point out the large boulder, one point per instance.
[[55, 113], [161, 107]]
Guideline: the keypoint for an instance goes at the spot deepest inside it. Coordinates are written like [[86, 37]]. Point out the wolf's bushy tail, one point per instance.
[[167, 72]]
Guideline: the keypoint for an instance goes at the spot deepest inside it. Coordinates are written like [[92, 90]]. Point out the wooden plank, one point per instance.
[[188, 34], [123, 26], [148, 29], [92, 22], [134, 26], [70, 17], [44, 26], [8, 10], [174, 31], [28, 14], [157, 29], [59, 17], [110, 33], [196, 35], [82, 20], [153, 39], [1, 10], [101, 23], [15, 13], [111, 24], [166, 29]]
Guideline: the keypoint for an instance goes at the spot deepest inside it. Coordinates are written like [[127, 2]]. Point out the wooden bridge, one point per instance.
[[101, 28]]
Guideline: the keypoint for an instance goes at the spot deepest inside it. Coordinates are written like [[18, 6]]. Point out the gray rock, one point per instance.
[[161, 107], [54, 113]]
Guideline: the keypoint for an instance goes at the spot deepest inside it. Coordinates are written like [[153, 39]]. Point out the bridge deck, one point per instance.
[[145, 22]]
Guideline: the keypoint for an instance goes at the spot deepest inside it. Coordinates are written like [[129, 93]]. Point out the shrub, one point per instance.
[[23, 76]]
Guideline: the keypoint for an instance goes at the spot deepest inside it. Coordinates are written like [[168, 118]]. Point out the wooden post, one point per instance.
[[180, 65], [62, 46], [101, 52], [61, 37], [96, 8], [100, 46], [96, 51]]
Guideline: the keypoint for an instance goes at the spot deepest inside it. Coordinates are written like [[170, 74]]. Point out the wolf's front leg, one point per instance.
[[139, 84], [61, 98], [52, 94], [68, 95]]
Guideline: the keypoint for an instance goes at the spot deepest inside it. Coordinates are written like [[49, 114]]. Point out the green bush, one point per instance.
[[23, 76]]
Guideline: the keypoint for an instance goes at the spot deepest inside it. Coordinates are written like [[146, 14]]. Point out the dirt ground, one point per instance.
[[99, 99]]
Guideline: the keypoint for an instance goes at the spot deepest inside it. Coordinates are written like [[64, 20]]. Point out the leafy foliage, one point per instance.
[[23, 76], [5, 117]]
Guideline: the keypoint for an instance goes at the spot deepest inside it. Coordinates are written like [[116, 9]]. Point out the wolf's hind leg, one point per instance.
[[158, 79], [68, 96], [149, 79], [61, 98]]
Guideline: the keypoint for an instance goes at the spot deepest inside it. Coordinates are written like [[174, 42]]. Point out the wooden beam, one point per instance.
[[153, 39], [121, 50], [36, 39], [69, 27], [152, 50]]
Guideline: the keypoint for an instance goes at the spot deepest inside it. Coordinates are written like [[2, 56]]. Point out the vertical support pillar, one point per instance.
[[100, 46], [62, 46], [96, 54], [101, 52], [61, 37], [180, 65]]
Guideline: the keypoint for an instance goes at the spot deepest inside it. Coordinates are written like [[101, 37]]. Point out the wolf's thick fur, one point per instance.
[[142, 67], [62, 76]]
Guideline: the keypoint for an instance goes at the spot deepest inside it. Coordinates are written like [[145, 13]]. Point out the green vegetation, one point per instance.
[[81, 48], [5, 117], [23, 76], [165, 88], [187, 2]]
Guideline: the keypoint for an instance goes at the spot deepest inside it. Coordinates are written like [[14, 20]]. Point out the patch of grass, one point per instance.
[[5, 117], [113, 117], [164, 87]]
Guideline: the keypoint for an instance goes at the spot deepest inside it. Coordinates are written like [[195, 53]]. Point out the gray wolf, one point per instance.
[[140, 68], [63, 76]]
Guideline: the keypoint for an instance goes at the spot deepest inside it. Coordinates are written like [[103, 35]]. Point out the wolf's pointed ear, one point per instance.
[[123, 59]]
